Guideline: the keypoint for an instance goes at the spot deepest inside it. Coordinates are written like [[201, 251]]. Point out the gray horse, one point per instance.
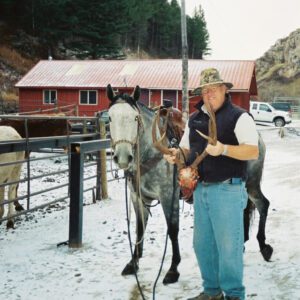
[[149, 175]]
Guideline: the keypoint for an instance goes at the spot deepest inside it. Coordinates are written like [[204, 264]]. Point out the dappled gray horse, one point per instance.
[[149, 175]]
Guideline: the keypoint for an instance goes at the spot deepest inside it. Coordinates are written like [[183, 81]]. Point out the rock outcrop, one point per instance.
[[278, 70]]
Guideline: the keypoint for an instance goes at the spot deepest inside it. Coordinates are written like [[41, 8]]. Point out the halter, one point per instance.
[[133, 143]]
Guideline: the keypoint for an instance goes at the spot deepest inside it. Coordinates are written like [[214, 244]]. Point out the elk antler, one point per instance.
[[158, 144], [188, 176], [212, 138]]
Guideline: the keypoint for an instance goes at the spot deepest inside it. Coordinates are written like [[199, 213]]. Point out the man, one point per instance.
[[220, 196]]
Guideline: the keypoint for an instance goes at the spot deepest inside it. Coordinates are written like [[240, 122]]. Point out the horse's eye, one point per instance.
[[109, 118]]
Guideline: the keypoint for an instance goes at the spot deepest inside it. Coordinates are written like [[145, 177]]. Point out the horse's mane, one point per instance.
[[123, 97]]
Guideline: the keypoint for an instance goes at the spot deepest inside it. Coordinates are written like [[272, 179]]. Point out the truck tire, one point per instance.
[[279, 122]]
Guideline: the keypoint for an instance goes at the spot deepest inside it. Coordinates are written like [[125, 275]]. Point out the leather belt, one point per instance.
[[234, 180]]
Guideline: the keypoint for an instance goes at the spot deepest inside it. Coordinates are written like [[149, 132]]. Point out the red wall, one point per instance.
[[32, 100]]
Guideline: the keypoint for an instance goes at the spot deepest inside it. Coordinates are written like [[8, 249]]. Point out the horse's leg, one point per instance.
[[141, 223], [262, 204], [12, 193], [18, 206], [1, 200], [171, 211], [12, 190]]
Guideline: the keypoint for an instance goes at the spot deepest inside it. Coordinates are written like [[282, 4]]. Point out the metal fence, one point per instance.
[[50, 150]]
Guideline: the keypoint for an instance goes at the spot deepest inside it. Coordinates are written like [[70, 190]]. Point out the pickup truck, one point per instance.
[[264, 112]]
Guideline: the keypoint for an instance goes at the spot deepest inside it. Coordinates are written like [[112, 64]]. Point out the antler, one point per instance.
[[212, 138], [158, 144]]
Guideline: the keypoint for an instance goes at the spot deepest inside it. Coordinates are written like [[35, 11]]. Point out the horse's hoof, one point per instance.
[[267, 252], [10, 224], [19, 207], [171, 277], [130, 269]]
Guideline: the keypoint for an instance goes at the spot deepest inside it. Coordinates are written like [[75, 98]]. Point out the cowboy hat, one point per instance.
[[208, 77]]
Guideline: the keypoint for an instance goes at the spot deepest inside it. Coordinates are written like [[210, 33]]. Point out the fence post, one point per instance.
[[104, 193], [76, 197]]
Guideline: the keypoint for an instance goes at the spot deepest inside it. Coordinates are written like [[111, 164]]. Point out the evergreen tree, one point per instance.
[[101, 28], [198, 37]]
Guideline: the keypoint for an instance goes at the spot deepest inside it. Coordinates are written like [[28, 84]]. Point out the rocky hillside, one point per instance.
[[278, 70]]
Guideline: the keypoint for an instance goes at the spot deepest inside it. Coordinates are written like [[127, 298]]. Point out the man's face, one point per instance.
[[214, 95]]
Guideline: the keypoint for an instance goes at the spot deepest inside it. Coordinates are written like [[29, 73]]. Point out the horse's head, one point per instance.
[[124, 125]]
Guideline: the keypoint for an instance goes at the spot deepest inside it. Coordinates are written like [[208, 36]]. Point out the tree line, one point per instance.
[[98, 28]]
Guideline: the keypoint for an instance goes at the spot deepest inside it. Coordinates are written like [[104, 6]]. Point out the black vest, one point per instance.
[[216, 168]]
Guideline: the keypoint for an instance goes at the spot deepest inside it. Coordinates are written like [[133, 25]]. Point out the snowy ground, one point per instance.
[[33, 267]]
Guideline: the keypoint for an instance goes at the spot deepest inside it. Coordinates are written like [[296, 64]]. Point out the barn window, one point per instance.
[[50, 96], [88, 97]]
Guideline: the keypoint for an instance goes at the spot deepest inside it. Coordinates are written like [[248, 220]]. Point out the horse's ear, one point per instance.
[[136, 93], [110, 93]]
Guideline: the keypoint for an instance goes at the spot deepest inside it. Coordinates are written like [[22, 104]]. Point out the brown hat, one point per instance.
[[208, 77]]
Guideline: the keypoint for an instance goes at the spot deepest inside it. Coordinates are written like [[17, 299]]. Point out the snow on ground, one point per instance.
[[33, 267]]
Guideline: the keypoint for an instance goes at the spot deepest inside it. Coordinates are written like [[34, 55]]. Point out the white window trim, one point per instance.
[[79, 100], [44, 100]]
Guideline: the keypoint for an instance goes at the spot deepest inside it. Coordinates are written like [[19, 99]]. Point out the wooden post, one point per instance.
[[103, 174], [185, 98]]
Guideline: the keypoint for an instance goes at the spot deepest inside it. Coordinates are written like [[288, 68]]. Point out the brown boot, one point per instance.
[[203, 296]]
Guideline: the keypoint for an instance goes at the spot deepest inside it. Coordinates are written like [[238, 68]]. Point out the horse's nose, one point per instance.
[[123, 161], [115, 158]]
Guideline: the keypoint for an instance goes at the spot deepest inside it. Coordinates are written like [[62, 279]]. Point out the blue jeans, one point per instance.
[[219, 236]]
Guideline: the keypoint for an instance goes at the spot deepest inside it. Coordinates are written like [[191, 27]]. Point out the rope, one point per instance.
[[130, 242], [166, 241]]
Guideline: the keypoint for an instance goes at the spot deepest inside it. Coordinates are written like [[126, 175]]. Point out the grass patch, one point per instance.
[[15, 60]]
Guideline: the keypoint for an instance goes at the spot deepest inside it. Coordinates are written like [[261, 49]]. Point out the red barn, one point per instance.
[[83, 83]]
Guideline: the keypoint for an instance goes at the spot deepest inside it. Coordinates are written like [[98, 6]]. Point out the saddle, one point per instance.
[[173, 121]]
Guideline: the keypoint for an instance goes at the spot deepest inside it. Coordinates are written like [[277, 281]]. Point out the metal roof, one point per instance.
[[150, 74]]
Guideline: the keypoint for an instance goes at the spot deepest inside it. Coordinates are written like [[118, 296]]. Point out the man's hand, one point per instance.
[[215, 150], [171, 158]]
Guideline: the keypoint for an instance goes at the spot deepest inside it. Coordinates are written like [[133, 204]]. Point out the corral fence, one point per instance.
[[45, 151], [293, 101]]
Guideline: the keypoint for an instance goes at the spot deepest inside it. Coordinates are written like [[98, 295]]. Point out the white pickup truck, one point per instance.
[[264, 112]]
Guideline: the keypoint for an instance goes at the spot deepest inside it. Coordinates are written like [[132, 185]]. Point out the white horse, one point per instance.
[[9, 173]]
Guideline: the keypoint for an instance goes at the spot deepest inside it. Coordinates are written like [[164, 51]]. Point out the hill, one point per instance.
[[278, 70]]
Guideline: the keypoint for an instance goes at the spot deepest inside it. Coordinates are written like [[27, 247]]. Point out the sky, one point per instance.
[[242, 29], [34, 268]]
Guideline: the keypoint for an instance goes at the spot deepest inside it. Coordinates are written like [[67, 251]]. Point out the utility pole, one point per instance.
[[185, 98]]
